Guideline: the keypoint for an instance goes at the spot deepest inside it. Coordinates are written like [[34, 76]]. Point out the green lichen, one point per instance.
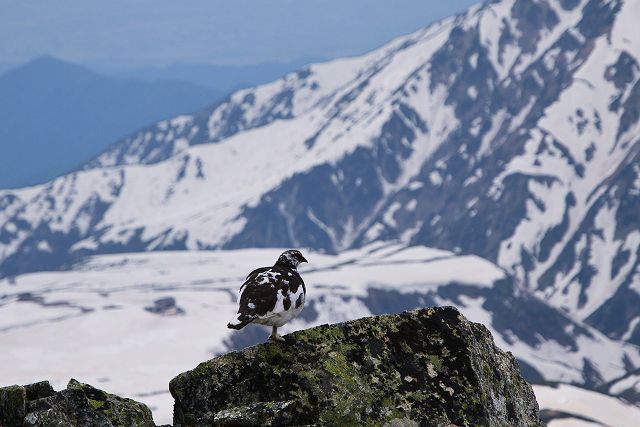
[[82, 404], [12, 405], [95, 404], [424, 365], [435, 361], [338, 365]]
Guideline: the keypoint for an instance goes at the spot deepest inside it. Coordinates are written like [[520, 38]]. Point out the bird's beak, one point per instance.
[[304, 260]]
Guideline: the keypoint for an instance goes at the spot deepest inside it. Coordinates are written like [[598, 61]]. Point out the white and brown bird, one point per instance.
[[272, 295]]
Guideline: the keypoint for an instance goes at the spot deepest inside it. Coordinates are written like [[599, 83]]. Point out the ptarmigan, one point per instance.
[[272, 295]]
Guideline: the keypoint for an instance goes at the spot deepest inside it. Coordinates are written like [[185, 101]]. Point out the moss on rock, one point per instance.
[[13, 401], [429, 367], [78, 405]]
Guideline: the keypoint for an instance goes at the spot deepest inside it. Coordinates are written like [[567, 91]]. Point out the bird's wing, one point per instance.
[[263, 290], [258, 271], [251, 276]]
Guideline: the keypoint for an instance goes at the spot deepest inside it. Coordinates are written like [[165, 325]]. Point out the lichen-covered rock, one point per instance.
[[38, 390], [38, 405], [13, 402], [429, 367], [258, 414]]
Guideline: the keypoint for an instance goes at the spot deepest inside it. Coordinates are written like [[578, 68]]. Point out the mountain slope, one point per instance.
[[57, 115], [509, 132]]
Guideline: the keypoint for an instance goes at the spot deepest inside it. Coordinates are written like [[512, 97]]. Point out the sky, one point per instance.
[[133, 33]]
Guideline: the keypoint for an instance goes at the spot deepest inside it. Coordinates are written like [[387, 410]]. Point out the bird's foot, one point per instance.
[[276, 338]]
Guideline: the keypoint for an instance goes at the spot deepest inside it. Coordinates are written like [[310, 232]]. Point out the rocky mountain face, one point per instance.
[[426, 367], [509, 132]]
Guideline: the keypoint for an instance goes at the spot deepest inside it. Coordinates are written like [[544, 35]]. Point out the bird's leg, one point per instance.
[[274, 335]]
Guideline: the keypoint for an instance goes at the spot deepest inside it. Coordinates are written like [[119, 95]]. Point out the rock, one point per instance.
[[78, 405], [165, 307], [39, 390], [13, 400], [428, 367], [258, 414]]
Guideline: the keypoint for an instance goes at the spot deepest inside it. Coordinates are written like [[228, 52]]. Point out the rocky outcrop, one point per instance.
[[428, 367], [38, 405]]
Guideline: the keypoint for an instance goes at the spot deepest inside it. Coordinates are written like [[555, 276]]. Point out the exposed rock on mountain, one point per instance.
[[429, 366], [38, 405]]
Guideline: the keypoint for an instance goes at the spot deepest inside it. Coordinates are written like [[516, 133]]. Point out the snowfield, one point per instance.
[[100, 323], [91, 324], [588, 407]]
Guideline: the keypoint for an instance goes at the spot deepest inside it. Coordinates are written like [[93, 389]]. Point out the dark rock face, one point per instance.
[[428, 367], [38, 405], [165, 307], [12, 405]]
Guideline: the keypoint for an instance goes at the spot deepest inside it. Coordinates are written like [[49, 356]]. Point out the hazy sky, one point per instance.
[[158, 32]]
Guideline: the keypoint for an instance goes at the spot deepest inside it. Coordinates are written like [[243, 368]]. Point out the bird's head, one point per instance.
[[291, 258]]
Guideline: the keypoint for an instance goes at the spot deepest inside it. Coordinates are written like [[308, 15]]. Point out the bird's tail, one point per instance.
[[240, 321]]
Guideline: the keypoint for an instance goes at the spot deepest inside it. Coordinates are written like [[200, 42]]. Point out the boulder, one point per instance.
[[38, 405], [428, 367], [13, 402]]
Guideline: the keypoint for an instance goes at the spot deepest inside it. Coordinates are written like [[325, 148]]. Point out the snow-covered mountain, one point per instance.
[[510, 133], [130, 322]]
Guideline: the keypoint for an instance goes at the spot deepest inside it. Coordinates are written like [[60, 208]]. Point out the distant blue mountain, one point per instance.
[[6, 66], [218, 77], [55, 115]]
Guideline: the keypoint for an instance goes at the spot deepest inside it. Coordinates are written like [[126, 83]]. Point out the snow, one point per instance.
[[388, 215], [43, 246], [632, 326], [606, 410], [472, 92], [632, 382], [136, 352], [491, 26], [489, 138], [98, 332], [435, 178], [625, 25], [591, 92], [473, 60], [473, 178], [567, 23]]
